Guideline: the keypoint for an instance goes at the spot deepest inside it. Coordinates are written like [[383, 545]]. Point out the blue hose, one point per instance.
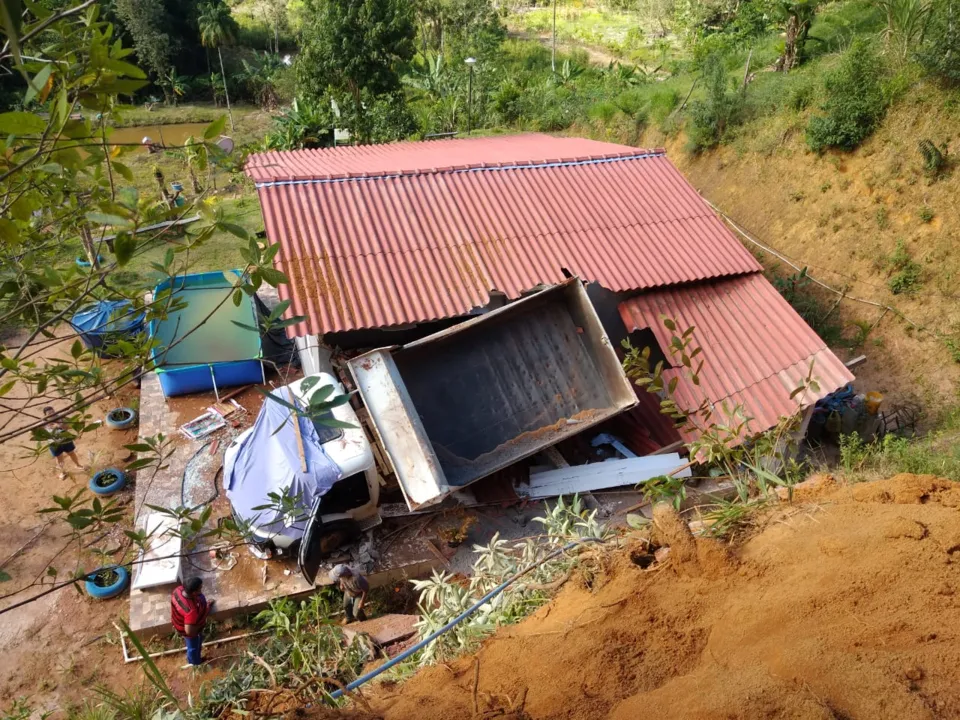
[[363, 679]]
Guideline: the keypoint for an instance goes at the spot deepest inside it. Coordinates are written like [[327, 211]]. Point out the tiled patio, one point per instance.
[[249, 584]]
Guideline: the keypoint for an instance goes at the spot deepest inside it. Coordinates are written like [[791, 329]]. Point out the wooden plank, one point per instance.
[[555, 458], [672, 447], [601, 476], [853, 362], [296, 428]]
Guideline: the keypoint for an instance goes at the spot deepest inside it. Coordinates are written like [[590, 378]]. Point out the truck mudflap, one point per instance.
[[466, 402]]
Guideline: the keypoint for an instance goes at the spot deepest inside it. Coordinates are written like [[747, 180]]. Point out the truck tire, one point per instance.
[[105, 592]]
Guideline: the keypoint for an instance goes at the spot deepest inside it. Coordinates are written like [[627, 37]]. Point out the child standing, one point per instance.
[[62, 443]]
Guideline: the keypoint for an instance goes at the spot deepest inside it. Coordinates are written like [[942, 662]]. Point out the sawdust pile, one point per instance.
[[846, 606]]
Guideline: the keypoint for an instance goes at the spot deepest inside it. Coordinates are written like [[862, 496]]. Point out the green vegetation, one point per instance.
[[906, 273], [937, 453], [854, 102]]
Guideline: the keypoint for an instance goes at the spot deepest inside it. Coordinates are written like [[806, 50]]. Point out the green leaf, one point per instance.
[[4, 577], [669, 324], [215, 129], [237, 230], [138, 447], [76, 350], [124, 172], [123, 248], [21, 123], [272, 276], [38, 82], [141, 463], [637, 521], [237, 297], [245, 327], [125, 68], [8, 231], [11, 14], [105, 219], [7, 387]]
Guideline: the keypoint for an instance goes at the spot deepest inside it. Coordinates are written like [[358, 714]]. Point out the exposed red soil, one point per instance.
[[845, 606]]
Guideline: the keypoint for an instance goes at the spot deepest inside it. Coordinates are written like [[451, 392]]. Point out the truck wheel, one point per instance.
[[107, 582]]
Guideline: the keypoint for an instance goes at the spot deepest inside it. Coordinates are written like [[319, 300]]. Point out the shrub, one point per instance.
[[941, 48], [907, 273], [855, 102], [926, 214], [711, 118], [662, 102], [801, 96]]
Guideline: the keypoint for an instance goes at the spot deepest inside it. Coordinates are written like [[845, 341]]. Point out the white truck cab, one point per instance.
[[335, 517]]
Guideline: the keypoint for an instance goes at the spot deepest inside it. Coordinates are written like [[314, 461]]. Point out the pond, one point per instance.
[[168, 135]]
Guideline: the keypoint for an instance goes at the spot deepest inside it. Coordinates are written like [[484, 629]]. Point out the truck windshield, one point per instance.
[[326, 432]]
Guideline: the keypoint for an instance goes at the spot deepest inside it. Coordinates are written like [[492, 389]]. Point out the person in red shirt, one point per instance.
[[188, 613]]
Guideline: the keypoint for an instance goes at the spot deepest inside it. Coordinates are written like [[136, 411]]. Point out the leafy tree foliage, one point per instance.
[[940, 51], [711, 117], [146, 21], [355, 45], [855, 102]]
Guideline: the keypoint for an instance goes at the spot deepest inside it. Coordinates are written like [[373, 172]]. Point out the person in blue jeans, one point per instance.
[[188, 613]]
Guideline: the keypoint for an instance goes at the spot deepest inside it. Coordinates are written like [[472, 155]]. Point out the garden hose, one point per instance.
[[363, 679]]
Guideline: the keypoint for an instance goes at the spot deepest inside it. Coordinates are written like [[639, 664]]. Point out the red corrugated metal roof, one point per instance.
[[756, 348], [382, 235]]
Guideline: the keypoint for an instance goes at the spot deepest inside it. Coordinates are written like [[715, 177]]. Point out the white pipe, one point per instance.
[[128, 659]]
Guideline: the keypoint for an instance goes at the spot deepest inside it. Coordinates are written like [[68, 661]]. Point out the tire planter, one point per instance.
[[121, 418], [98, 591], [84, 263], [108, 481]]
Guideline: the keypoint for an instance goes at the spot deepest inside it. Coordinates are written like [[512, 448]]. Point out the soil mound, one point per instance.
[[845, 606]]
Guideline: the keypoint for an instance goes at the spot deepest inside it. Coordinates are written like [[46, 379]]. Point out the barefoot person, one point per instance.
[[354, 587], [188, 613], [62, 443]]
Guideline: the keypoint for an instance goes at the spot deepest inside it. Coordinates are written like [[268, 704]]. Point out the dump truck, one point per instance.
[[461, 404]]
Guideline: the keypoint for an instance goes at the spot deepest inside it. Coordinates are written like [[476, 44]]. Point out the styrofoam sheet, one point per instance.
[[600, 476], [159, 564]]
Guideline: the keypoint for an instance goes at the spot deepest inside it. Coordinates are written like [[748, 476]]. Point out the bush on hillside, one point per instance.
[[855, 102], [712, 117], [940, 52]]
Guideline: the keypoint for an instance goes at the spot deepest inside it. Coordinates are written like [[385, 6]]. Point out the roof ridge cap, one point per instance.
[[631, 154]]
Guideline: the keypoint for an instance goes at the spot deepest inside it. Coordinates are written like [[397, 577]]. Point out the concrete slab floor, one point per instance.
[[237, 581]]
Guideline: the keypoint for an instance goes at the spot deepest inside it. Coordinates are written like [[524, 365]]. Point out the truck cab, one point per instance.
[[334, 517]]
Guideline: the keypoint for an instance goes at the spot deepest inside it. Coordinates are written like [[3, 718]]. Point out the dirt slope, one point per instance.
[[843, 607], [841, 214]]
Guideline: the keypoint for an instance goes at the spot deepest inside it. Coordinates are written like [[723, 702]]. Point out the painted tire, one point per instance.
[[84, 263], [121, 418], [97, 486], [104, 593]]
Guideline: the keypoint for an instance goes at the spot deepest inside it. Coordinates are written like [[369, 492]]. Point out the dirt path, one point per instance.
[[844, 607], [598, 56]]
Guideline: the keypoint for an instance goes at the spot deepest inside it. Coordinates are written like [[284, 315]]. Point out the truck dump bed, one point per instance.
[[461, 404]]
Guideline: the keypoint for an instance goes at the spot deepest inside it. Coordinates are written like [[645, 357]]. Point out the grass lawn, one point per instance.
[[232, 192]]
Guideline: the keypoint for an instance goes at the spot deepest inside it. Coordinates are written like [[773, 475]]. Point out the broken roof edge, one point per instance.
[[316, 179]]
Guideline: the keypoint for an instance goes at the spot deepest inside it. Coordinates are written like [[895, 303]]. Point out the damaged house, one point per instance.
[[385, 245]]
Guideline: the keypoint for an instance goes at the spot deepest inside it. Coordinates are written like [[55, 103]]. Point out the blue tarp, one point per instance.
[[266, 460], [104, 322]]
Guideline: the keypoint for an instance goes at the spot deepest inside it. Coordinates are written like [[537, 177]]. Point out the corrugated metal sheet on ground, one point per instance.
[[756, 349], [412, 243]]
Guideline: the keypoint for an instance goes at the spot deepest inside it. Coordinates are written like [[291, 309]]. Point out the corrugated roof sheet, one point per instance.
[[756, 349], [382, 235]]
